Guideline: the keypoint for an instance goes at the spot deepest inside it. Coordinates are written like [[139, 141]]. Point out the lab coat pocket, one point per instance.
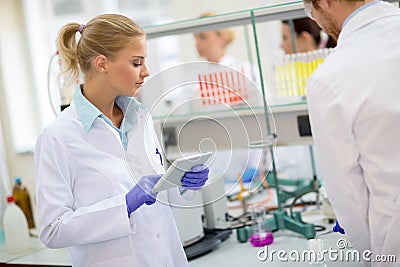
[[123, 261], [132, 222], [384, 206], [384, 222], [111, 252]]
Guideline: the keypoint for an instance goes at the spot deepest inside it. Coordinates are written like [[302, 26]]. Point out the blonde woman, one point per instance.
[[97, 163]]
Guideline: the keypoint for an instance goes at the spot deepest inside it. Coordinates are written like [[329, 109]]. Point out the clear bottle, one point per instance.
[[316, 251], [15, 228], [23, 200]]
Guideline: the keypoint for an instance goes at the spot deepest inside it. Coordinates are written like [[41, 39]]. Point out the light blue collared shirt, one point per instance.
[[358, 10], [88, 113]]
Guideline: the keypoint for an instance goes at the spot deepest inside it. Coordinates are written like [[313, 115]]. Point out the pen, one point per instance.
[[159, 154]]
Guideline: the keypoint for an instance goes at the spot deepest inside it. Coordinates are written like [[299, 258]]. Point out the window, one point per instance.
[[27, 46]]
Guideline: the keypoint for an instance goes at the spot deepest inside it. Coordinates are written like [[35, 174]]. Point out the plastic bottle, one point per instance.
[[15, 228], [23, 200]]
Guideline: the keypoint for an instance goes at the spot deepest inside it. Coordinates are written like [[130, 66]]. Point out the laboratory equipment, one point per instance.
[[281, 219], [260, 234], [202, 222], [190, 225], [336, 229], [293, 71], [223, 85], [215, 204], [316, 245], [15, 228]]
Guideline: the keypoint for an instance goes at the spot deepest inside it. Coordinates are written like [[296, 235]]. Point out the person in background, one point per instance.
[[354, 106], [294, 161], [213, 45], [309, 36], [97, 162]]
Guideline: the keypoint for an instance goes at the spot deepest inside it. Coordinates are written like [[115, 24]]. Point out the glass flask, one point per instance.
[[260, 234]]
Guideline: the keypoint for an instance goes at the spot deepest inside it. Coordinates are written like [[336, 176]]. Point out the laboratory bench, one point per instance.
[[38, 255], [229, 253]]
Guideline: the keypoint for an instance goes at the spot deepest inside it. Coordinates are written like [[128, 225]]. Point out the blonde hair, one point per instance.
[[227, 34], [106, 34]]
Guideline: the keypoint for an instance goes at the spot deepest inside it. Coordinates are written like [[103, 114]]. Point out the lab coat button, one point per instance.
[[158, 235]]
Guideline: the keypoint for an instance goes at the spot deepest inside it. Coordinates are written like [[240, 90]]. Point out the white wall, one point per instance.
[[4, 183], [14, 60]]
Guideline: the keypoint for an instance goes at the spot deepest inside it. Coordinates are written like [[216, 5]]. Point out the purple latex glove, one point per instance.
[[196, 178], [141, 193]]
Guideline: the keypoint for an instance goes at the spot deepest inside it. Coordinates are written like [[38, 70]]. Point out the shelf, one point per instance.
[[245, 111], [289, 10], [277, 12]]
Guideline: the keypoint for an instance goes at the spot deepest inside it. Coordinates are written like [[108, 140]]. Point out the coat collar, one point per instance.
[[88, 113]]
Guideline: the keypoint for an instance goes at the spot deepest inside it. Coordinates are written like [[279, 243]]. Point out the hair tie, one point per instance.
[[81, 28]]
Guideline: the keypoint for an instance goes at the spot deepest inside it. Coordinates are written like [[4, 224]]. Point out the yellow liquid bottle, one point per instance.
[[23, 200]]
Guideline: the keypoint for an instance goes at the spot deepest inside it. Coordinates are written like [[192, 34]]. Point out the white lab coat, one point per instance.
[[354, 105], [82, 179]]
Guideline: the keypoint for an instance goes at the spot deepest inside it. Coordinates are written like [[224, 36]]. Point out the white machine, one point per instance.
[[206, 211], [215, 205], [189, 220]]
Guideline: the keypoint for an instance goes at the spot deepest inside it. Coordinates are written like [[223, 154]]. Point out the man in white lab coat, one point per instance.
[[354, 105]]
